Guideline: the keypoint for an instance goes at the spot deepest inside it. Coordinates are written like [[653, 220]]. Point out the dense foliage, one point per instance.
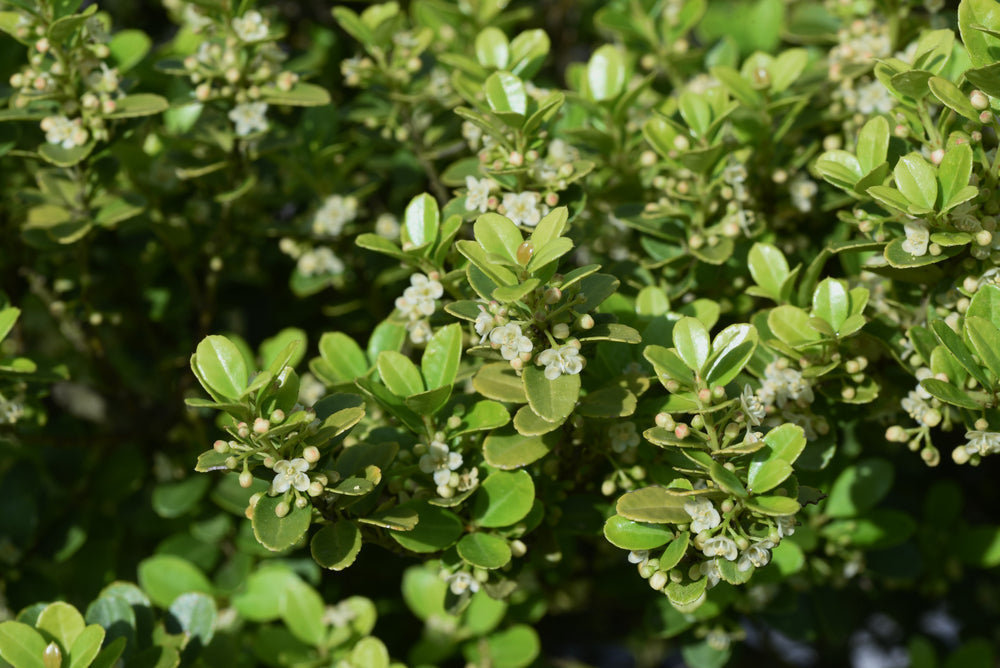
[[640, 332]]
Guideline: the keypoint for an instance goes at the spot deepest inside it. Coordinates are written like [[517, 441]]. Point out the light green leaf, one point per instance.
[[840, 168], [692, 343], [436, 530], [507, 449], [831, 302], [484, 550], [605, 73], [972, 15], [631, 535], [302, 94], [791, 325], [528, 51], [165, 577], [985, 304], [505, 94], [953, 342], [915, 178], [500, 382], [873, 144], [87, 646], [492, 48], [139, 104], [302, 611], [774, 506], [195, 613], [768, 475], [653, 504], [953, 98], [399, 373], [420, 222], [732, 348], [554, 399], [769, 268], [498, 236], [503, 499], [221, 367], [985, 339], [61, 621], [21, 646], [727, 480], [439, 363]]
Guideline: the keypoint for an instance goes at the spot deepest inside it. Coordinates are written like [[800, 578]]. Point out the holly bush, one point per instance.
[[639, 332]]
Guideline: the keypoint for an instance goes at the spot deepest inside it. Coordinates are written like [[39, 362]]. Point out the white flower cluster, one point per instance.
[[335, 213], [511, 342], [623, 436], [563, 360], [290, 474], [479, 193], [522, 208], [782, 385], [982, 443], [419, 301], [249, 117], [320, 261], [720, 546], [918, 237], [64, 132], [864, 41], [866, 98], [440, 461], [802, 191], [920, 405], [251, 27], [704, 516]]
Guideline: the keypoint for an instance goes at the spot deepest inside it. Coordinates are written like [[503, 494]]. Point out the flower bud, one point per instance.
[[221, 447], [608, 487], [261, 426], [586, 321], [560, 330], [282, 509], [311, 454], [979, 100], [959, 455], [518, 548], [315, 488], [301, 502], [658, 580]]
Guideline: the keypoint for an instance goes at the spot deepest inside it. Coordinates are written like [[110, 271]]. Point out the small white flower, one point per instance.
[[468, 480], [564, 360], [704, 516], [250, 27], [710, 569], [510, 341], [982, 442], [249, 117], [720, 546], [623, 436], [471, 134], [485, 322], [757, 555], [290, 474], [64, 132], [734, 174], [478, 195], [386, 225], [752, 407], [336, 212], [802, 191], [785, 525], [419, 300], [320, 261], [638, 556], [461, 582], [917, 238], [440, 462], [916, 406], [523, 209], [420, 330]]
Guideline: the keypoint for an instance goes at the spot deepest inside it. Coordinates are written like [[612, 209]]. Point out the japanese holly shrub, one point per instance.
[[499, 334]]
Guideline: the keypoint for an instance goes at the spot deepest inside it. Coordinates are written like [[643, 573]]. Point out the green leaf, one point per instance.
[[504, 498], [421, 223], [791, 325], [221, 367], [8, 317], [979, 546], [675, 551], [953, 98], [915, 178], [337, 545], [21, 646], [436, 530], [631, 535], [483, 416], [87, 646], [286, 348], [301, 608], [727, 480], [128, 48], [831, 302], [354, 26], [515, 647], [953, 342], [484, 550], [528, 51], [732, 348], [492, 48], [972, 16], [985, 304], [686, 596], [553, 400], [605, 73], [890, 198], [505, 94], [498, 236], [608, 402], [774, 506], [840, 168], [343, 358], [261, 599], [195, 613], [507, 449], [948, 393], [859, 488], [692, 343], [374, 242], [954, 172], [769, 269], [653, 504], [302, 94], [399, 373], [986, 79], [174, 499], [529, 423], [165, 577], [985, 339], [439, 363], [65, 157], [62, 622], [873, 144], [140, 104], [500, 382], [768, 475], [279, 533], [785, 442], [370, 652], [478, 257]]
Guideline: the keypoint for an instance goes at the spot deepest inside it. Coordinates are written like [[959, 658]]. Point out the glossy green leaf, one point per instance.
[[483, 416], [436, 530], [508, 449], [727, 480], [953, 342], [986, 79], [484, 550], [769, 269], [195, 614], [421, 222], [500, 382], [692, 343], [165, 577], [515, 647], [982, 46], [831, 302], [492, 49], [503, 499], [370, 652], [631, 535], [873, 144], [840, 168], [528, 51], [302, 94], [21, 646], [554, 399], [8, 317], [529, 423], [916, 179], [890, 198], [87, 645], [791, 325], [768, 475], [61, 621], [653, 504], [948, 393], [336, 545], [138, 104], [505, 93], [675, 551], [774, 506], [261, 599], [985, 339], [606, 73], [985, 304], [498, 236], [221, 366], [732, 348], [953, 98], [439, 363], [302, 609], [686, 596], [279, 533], [399, 373]]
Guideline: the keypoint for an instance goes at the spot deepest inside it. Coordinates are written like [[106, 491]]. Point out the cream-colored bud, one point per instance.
[[959, 455], [979, 100], [261, 426], [282, 509], [658, 580], [311, 454], [246, 479], [560, 330]]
